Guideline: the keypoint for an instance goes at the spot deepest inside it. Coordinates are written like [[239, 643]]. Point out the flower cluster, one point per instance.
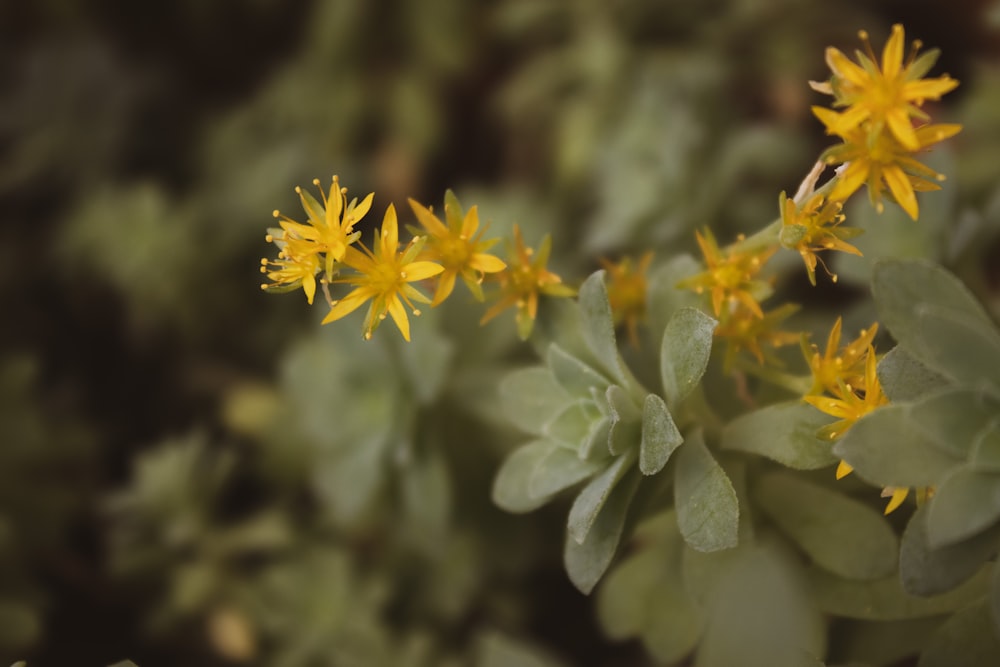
[[386, 276], [881, 105]]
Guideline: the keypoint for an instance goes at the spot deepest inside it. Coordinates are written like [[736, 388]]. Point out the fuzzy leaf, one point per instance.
[[965, 503], [761, 613], [840, 534], [684, 352], [967, 639], [954, 418], [571, 426], [937, 320], [885, 599], [903, 378], [886, 448], [598, 325], [925, 571], [587, 562], [531, 397], [985, 453], [588, 504], [784, 432], [645, 597], [660, 436], [512, 485], [707, 509], [575, 376]]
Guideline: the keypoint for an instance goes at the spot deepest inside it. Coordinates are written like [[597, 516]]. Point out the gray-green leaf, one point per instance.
[[684, 352], [840, 534], [660, 436], [783, 432], [707, 509]]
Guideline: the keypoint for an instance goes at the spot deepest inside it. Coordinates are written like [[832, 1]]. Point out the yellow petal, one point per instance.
[[390, 233], [896, 499], [347, 305], [446, 283], [850, 180], [902, 128], [486, 263], [901, 189], [892, 53], [844, 68], [844, 469], [429, 221], [398, 314], [421, 270], [471, 222]]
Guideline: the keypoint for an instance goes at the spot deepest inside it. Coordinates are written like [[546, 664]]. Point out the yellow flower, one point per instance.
[[851, 402], [838, 365], [885, 163], [897, 494], [330, 226], [814, 228], [744, 330], [523, 280], [627, 292], [457, 247], [887, 97], [296, 266], [384, 277], [730, 275]]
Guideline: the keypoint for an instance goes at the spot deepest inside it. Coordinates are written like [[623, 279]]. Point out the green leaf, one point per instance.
[[903, 378], [684, 352], [925, 571], [841, 535], [886, 448], [901, 287], [965, 503], [559, 469], [588, 504], [575, 376], [761, 614], [598, 325], [624, 414], [937, 320], [953, 418], [531, 396], [707, 509], [645, 597], [587, 562], [968, 352], [885, 599], [571, 426], [511, 486], [967, 639], [660, 436], [594, 446], [496, 650], [783, 432], [985, 453]]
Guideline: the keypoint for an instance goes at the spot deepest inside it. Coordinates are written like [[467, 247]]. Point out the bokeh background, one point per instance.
[[195, 473]]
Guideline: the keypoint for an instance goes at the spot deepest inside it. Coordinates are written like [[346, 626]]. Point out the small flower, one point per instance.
[[296, 266], [887, 97], [730, 275], [814, 228], [627, 292], [384, 278], [330, 226], [837, 365], [885, 163], [744, 330], [850, 402], [897, 494], [457, 247], [523, 280]]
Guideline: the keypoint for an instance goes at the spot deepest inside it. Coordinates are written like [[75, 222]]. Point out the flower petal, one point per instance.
[[347, 305], [901, 189], [429, 221], [421, 270], [398, 314]]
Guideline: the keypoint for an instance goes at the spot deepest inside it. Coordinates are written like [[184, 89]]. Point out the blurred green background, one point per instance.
[[195, 473]]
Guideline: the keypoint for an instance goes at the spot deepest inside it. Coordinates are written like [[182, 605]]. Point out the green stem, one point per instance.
[[796, 384]]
